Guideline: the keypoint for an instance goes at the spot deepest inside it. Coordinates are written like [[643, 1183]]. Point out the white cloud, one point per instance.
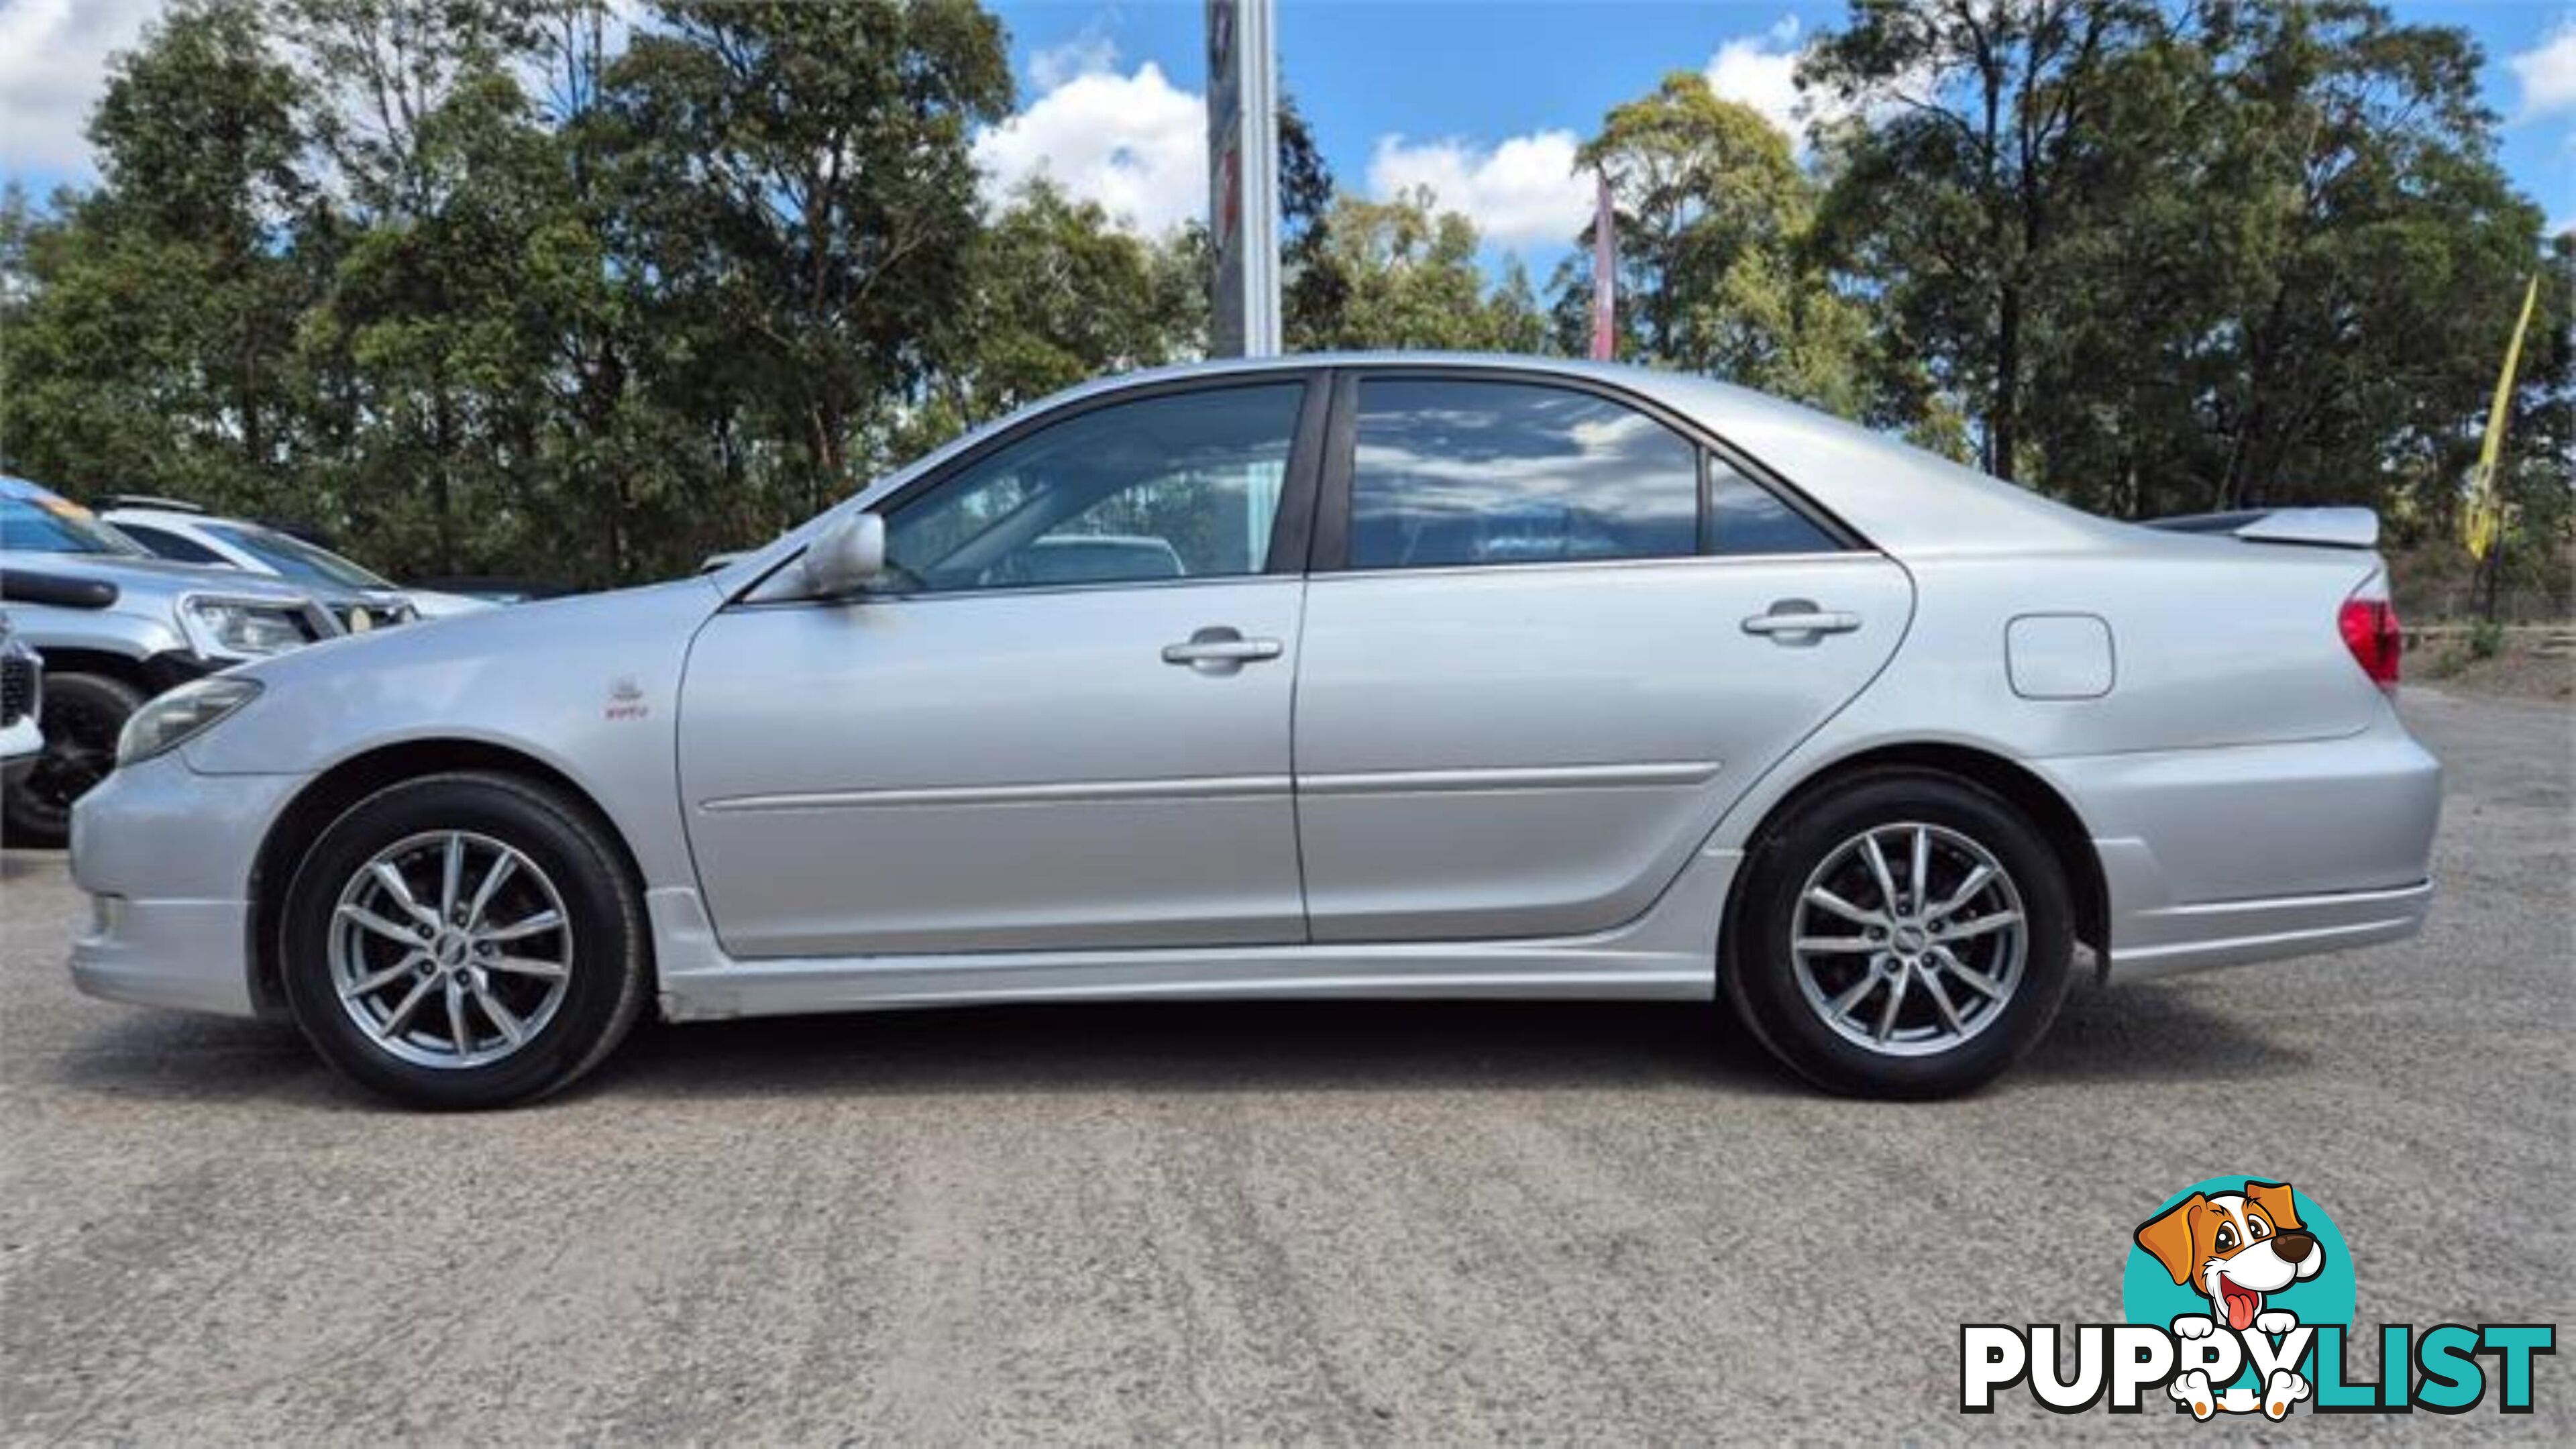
[[1761, 71], [1135, 143], [53, 65], [1086, 54], [2547, 72], [1522, 191]]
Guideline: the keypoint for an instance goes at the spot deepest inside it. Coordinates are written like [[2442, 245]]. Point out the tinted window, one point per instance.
[[50, 525], [170, 545], [296, 559], [1181, 486], [1449, 472], [1745, 517]]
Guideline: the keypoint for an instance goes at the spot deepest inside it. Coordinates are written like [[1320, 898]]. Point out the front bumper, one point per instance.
[[22, 743], [166, 855], [2221, 857]]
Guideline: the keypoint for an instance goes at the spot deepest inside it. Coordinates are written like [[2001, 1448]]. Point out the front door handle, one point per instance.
[[1799, 621], [1220, 650]]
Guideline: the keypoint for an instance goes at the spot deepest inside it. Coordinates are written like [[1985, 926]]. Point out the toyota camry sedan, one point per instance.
[[1392, 676]]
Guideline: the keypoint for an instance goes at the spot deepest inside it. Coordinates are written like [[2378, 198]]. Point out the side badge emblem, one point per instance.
[[626, 699]]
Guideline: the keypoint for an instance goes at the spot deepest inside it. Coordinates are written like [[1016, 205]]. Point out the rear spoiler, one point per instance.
[[2317, 527]]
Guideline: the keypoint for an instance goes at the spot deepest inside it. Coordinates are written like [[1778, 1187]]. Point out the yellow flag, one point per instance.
[[2484, 517]]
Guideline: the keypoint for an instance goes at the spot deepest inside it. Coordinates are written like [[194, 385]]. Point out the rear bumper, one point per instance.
[[2220, 857], [2173, 939]]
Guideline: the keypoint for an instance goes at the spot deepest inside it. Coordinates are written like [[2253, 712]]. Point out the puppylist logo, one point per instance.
[[2240, 1299]]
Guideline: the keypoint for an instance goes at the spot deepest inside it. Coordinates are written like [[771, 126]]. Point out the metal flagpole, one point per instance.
[[1605, 269], [1243, 177]]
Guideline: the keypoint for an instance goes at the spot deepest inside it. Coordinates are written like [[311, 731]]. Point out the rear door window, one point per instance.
[[1449, 472]]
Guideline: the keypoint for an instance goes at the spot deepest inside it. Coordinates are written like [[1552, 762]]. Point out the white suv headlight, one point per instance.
[[178, 716], [247, 631]]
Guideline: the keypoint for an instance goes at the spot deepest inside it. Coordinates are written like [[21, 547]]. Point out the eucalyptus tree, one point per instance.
[[814, 191], [1713, 214], [150, 322]]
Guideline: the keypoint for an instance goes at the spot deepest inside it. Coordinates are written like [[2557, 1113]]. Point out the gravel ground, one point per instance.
[[1374, 1223], [2535, 662]]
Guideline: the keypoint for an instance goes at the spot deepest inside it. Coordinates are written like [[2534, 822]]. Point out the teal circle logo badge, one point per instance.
[[2236, 1255], [2238, 1299]]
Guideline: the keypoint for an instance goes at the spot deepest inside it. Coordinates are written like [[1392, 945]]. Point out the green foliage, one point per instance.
[[1055, 296], [2174, 257], [2486, 639], [158, 338], [1407, 278], [344, 267], [511, 286], [1713, 216]]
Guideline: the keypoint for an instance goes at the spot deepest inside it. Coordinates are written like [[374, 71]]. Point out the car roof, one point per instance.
[[1904, 499]]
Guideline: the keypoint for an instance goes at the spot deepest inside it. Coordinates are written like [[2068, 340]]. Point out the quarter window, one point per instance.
[[1449, 472], [1746, 518], [1181, 486], [171, 545]]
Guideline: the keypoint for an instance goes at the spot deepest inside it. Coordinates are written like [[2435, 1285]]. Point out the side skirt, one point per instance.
[[1669, 953]]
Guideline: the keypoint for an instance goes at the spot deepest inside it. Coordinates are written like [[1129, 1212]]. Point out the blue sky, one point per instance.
[[1474, 99], [1483, 102]]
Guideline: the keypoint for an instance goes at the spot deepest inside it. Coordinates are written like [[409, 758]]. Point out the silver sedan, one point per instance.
[[1357, 676]]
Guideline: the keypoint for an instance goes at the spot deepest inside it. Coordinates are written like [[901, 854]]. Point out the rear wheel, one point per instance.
[[464, 940], [1903, 934], [83, 715]]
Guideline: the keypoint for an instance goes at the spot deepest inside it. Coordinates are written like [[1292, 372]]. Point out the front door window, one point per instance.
[[1175, 487]]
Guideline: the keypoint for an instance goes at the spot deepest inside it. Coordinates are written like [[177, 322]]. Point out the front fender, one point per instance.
[[588, 686]]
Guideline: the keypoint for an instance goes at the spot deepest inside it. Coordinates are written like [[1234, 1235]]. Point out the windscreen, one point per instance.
[[295, 558]]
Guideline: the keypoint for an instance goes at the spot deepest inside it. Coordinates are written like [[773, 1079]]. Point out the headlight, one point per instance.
[[247, 631], [181, 714]]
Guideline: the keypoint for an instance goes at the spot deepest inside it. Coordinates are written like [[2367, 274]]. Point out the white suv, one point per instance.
[[359, 596]]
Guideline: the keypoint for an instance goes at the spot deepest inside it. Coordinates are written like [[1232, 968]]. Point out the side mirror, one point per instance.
[[848, 557]]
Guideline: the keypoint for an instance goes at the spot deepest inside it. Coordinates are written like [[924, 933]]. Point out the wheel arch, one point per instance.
[[2047, 809], [107, 663], [330, 794]]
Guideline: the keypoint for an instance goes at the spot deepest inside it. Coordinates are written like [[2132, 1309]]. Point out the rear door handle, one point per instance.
[[1220, 650], [1794, 621]]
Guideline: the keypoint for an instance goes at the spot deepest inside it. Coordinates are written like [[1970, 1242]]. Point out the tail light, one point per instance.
[[2369, 628]]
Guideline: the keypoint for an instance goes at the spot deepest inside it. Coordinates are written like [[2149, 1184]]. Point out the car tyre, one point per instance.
[[488, 1031], [1808, 998], [83, 715]]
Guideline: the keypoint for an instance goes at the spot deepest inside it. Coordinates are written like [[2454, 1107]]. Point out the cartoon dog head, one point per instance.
[[2234, 1248]]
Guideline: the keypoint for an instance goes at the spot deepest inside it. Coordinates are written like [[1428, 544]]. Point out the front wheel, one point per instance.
[[1904, 934], [84, 713], [463, 940]]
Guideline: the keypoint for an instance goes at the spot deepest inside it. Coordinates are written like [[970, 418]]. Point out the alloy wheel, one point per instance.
[[450, 949], [1909, 939]]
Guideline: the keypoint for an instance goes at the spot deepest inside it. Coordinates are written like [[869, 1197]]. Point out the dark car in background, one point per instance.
[[115, 626]]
